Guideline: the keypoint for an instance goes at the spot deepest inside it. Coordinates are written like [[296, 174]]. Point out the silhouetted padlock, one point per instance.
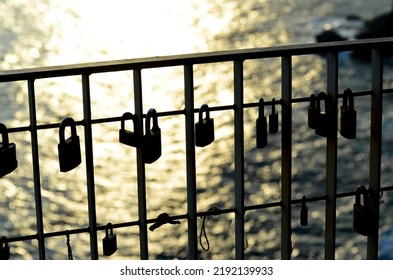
[[313, 113], [303, 213], [204, 128], [8, 162], [362, 215], [273, 119], [4, 249], [324, 126], [348, 116], [109, 242], [261, 125], [69, 149], [127, 137], [152, 138]]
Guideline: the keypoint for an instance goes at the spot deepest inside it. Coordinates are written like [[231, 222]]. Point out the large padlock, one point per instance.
[[273, 119], [204, 128], [8, 162], [313, 113], [348, 116], [261, 125], [69, 149], [152, 138], [362, 215], [4, 249], [324, 126], [109, 242], [128, 137]]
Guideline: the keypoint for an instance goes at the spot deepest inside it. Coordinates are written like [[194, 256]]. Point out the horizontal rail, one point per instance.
[[190, 59]]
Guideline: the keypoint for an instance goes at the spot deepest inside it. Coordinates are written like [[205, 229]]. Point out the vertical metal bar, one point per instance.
[[89, 167], [36, 169], [239, 160], [375, 148], [190, 161], [143, 240], [331, 158], [286, 157]]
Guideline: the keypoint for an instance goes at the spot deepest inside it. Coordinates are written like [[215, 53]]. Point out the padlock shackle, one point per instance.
[[151, 113], [273, 112], [204, 108], [348, 98], [261, 108], [128, 116], [321, 96], [361, 190], [67, 121], [3, 242], [313, 101], [109, 226], [4, 134]]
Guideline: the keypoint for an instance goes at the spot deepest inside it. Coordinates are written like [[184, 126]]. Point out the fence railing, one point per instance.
[[238, 57]]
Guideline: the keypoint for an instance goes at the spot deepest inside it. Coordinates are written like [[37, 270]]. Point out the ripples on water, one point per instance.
[[37, 33]]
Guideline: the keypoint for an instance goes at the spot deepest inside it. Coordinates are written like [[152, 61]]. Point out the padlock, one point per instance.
[[261, 125], [127, 137], [313, 113], [273, 118], [109, 242], [4, 249], [324, 126], [204, 128], [152, 138], [362, 215], [303, 213], [8, 162], [69, 149], [348, 116]]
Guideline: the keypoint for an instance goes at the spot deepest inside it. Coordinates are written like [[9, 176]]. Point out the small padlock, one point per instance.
[[303, 213], [362, 215], [348, 116], [127, 137], [324, 126], [4, 249], [69, 149], [273, 118], [261, 125], [313, 113], [8, 162], [204, 128], [109, 242], [152, 138]]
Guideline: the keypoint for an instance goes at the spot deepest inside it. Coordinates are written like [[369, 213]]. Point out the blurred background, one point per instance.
[[52, 32]]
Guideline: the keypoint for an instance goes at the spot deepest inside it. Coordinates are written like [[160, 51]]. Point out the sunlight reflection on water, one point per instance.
[[73, 32]]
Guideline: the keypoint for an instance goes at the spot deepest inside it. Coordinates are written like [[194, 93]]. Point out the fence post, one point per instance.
[[141, 168], [239, 159], [331, 158], [90, 167], [36, 169], [375, 148], [286, 157], [190, 161]]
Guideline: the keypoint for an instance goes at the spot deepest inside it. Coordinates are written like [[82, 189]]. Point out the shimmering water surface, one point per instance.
[[52, 32]]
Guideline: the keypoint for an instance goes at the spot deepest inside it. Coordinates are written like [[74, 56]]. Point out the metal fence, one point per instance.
[[286, 53]]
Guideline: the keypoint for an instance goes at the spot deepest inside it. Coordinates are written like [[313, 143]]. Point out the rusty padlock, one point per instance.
[[69, 149], [128, 137], [204, 128], [348, 116], [362, 215], [109, 242], [8, 162], [261, 125], [324, 126], [152, 138]]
